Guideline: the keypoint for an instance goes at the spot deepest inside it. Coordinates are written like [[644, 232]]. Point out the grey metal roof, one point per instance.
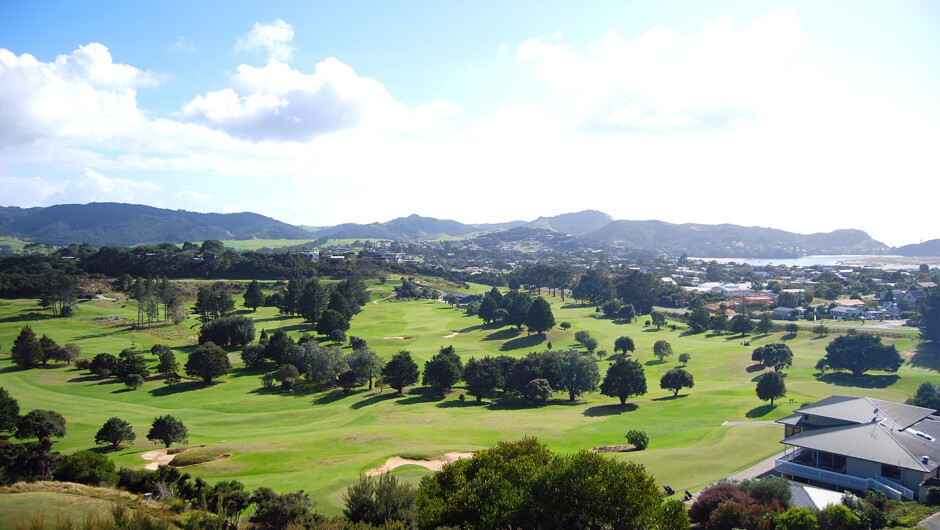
[[865, 410], [792, 419], [874, 442]]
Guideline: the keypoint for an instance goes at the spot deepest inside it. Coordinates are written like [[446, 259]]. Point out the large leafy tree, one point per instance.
[[441, 373], [624, 379], [365, 363], [675, 380], [50, 349], [207, 361], [482, 377], [114, 431], [930, 315], [698, 320], [775, 355], [167, 430], [766, 323], [320, 365], [579, 373], [624, 344], [519, 308], [861, 352], [771, 386], [641, 289], [658, 318], [522, 484], [400, 371], [9, 411], [26, 350], [41, 424], [253, 296], [540, 319], [741, 324], [662, 349]]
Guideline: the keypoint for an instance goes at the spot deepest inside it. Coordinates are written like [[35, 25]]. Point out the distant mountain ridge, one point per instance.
[[110, 223], [121, 224], [728, 241]]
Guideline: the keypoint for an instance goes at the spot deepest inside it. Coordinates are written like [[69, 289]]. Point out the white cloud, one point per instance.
[[182, 44], [502, 48], [716, 77], [195, 195], [29, 191], [273, 38], [90, 187], [632, 115], [94, 187], [276, 102], [84, 95]]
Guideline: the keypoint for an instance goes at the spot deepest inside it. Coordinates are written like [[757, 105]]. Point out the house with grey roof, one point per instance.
[[860, 443]]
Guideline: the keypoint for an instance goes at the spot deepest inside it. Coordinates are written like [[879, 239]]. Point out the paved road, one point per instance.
[[882, 325]]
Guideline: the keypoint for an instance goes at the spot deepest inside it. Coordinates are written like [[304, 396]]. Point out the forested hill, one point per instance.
[[716, 241], [120, 224]]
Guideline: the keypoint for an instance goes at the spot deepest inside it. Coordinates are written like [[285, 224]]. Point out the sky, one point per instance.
[[801, 116]]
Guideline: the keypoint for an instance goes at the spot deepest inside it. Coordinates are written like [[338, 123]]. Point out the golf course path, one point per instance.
[[158, 457], [433, 465]]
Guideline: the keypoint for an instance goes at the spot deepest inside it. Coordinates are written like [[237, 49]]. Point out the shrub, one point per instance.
[[537, 391], [767, 490], [379, 500], [638, 439], [933, 495], [253, 356], [733, 515], [713, 496], [134, 381], [86, 467]]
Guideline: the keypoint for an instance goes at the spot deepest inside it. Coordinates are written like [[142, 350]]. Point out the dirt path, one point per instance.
[[433, 465], [158, 457]]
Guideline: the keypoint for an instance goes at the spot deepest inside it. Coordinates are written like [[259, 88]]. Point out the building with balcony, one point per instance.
[[860, 443]]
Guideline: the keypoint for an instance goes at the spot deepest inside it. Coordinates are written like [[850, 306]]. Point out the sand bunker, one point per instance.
[[433, 465], [453, 333], [398, 337], [158, 457], [613, 449]]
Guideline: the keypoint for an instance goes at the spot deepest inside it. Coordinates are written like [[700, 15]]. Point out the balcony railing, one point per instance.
[[890, 488]]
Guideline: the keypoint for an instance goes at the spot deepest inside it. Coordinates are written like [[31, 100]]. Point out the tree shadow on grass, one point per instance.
[[862, 381], [245, 371], [332, 397], [670, 398], [788, 336], [503, 334], [651, 330], [457, 404], [12, 368], [756, 367], [609, 410], [420, 395], [372, 400], [760, 411], [927, 356], [757, 377], [123, 390], [168, 390], [30, 316], [528, 341], [654, 362]]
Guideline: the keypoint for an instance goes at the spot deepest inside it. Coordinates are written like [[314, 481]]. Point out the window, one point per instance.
[[892, 472]]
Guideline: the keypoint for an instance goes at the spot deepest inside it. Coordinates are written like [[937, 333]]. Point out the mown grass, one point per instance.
[[323, 440], [201, 455]]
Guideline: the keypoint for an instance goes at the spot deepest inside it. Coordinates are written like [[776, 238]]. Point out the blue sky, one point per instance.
[[802, 116]]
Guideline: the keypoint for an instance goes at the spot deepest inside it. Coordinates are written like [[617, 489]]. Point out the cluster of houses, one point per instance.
[[785, 304]]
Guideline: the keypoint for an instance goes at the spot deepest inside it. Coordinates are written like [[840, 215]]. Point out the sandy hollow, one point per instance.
[[433, 465], [158, 457]]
